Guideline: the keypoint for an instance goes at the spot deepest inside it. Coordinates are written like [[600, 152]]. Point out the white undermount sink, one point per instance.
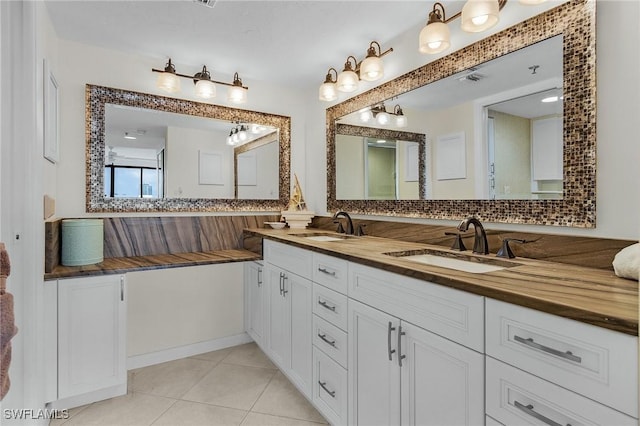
[[459, 262]]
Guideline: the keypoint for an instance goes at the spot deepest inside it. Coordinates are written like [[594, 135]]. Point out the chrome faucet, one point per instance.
[[349, 222], [480, 245]]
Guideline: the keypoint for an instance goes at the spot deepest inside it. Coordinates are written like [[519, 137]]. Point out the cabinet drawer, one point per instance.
[[292, 259], [330, 305], [331, 340], [454, 314], [329, 388], [515, 397], [330, 272], [598, 363]]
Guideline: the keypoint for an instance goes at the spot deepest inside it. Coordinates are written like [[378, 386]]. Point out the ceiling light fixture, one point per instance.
[[128, 136], [371, 68], [476, 16], [204, 86]]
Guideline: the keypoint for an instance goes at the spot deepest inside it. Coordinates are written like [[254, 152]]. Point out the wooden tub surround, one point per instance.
[[590, 295]]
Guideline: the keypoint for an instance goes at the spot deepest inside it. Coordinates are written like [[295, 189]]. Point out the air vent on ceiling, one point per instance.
[[208, 3], [472, 77]]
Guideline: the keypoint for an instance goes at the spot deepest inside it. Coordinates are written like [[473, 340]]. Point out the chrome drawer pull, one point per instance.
[[566, 355], [529, 410], [400, 356], [327, 341], [323, 386], [259, 277], [284, 286], [391, 351], [326, 306], [324, 271]]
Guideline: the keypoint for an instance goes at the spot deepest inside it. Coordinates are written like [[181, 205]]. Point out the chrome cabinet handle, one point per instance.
[[284, 287], [122, 289], [530, 411], [259, 277], [327, 341], [391, 351], [323, 385], [326, 306], [566, 355], [281, 283], [325, 271], [400, 356]]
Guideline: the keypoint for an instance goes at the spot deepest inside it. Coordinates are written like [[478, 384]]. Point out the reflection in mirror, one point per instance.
[[156, 154], [491, 111], [148, 153], [457, 130]]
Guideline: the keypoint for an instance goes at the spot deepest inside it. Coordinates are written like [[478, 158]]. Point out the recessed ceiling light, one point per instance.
[[128, 136], [550, 99], [380, 141]]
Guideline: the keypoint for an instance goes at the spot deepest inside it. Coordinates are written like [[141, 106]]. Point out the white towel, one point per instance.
[[626, 263]]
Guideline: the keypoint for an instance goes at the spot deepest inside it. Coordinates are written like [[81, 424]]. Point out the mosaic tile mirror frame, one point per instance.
[[575, 21], [98, 96]]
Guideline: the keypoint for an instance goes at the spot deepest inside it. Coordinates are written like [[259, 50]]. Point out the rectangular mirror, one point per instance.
[[153, 153], [508, 125]]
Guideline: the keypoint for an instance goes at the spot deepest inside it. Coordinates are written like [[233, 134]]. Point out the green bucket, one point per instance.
[[82, 241]]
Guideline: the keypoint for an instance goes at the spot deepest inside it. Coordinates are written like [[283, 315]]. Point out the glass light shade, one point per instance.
[[347, 81], [401, 121], [237, 94], [229, 140], [168, 82], [205, 89], [242, 135], [434, 38], [371, 69], [382, 118], [366, 116], [235, 138], [328, 92], [479, 15]]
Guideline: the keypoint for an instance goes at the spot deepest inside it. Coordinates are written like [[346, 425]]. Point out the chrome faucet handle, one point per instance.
[[505, 250], [457, 243], [360, 230]]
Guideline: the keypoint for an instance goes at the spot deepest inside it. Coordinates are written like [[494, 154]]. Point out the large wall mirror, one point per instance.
[[153, 153], [508, 128]]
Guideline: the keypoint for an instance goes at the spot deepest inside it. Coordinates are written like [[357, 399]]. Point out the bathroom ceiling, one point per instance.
[[286, 42]]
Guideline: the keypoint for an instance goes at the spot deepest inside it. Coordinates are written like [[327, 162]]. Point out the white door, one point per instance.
[[91, 334], [278, 319], [374, 373], [442, 381], [254, 296], [298, 293]]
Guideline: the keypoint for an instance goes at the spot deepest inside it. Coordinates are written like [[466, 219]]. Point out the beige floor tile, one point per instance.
[[186, 413], [258, 419], [229, 385], [249, 354], [70, 413], [214, 356], [132, 409], [171, 379], [281, 398]]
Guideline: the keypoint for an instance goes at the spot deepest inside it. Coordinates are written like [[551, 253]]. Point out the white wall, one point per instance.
[[267, 173], [618, 109], [171, 308], [81, 64]]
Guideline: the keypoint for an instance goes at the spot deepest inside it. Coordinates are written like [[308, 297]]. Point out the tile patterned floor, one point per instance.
[[234, 386]]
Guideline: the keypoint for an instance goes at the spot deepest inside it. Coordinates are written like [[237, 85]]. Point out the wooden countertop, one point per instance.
[[118, 265], [589, 295]]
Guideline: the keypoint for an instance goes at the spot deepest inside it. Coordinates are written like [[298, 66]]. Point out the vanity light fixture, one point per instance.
[[238, 134], [383, 117], [348, 79], [205, 87], [369, 69], [401, 119], [476, 16]]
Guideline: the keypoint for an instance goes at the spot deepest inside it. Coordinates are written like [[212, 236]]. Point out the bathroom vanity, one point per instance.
[[374, 337]]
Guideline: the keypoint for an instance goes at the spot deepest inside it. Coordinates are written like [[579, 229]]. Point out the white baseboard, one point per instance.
[[88, 398], [152, 358]]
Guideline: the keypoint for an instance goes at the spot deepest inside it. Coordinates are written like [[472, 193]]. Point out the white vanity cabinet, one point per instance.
[[289, 319], [254, 302], [91, 337], [565, 371], [401, 372]]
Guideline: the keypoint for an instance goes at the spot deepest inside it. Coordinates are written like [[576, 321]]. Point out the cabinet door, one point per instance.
[[374, 374], [278, 319], [91, 334], [298, 294], [442, 381], [254, 297]]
